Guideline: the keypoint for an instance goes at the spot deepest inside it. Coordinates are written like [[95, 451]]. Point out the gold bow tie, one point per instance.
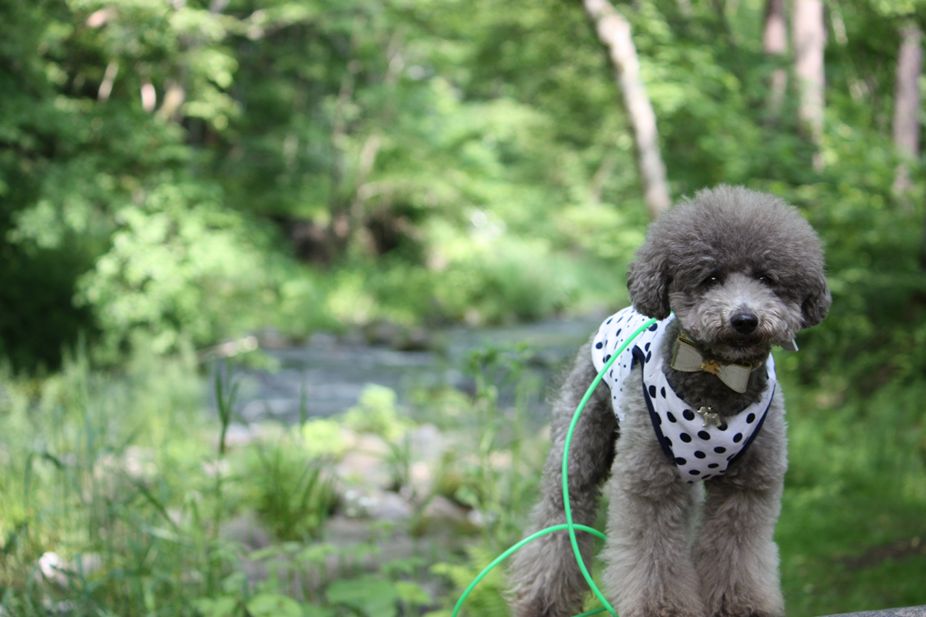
[[689, 359]]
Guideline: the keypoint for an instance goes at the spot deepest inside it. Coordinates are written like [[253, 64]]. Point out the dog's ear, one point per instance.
[[648, 281], [817, 303]]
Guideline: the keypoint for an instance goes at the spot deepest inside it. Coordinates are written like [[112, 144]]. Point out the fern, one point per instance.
[[487, 599]]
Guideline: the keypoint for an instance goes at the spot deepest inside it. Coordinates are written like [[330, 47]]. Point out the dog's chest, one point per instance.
[[699, 444]]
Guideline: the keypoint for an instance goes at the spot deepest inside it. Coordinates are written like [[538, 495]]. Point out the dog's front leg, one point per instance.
[[545, 580], [736, 555], [648, 554]]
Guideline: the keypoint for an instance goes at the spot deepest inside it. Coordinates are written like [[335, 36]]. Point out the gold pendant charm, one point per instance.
[[709, 417]]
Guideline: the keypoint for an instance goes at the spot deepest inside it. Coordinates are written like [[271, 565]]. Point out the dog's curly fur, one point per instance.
[[675, 549]]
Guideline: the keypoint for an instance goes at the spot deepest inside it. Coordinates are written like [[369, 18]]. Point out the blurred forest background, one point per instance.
[[179, 176]]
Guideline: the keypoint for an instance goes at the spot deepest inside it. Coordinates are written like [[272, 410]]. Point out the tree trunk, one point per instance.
[[907, 104], [775, 45], [614, 32], [809, 41]]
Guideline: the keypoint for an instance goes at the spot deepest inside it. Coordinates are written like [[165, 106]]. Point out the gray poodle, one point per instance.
[[690, 426]]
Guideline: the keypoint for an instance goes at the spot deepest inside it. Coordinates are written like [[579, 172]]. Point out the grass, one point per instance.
[[106, 499], [114, 489], [853, 510]]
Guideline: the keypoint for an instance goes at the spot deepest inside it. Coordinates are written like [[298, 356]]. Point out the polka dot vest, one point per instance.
[[699, 450]]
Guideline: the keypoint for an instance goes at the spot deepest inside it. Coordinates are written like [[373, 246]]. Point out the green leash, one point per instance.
[[569, 525]]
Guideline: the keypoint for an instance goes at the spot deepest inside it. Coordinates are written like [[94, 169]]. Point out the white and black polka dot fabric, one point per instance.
[[698, 450]]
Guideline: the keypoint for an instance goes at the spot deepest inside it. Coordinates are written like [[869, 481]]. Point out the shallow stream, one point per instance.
[[330, 373]]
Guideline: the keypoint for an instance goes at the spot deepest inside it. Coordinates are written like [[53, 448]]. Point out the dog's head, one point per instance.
[[741, 270]]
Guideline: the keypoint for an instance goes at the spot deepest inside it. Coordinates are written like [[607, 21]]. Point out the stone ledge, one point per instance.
[[909, 611]]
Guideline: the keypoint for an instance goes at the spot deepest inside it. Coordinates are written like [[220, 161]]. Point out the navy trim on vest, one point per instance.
[[653, 416], [758, 427]]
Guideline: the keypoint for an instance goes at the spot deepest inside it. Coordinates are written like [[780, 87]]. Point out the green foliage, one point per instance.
[[176, 174], [178, 262], [269, 604], [853, 502], [117, 479], [489, 597], [161, 209], [323, 438], [406, 163], [376, 413], [289, 490], [455, 176], [367, 595], [490, 473], [82, 488]]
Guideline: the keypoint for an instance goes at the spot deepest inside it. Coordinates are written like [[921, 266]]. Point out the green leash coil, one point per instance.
[[569, 525]]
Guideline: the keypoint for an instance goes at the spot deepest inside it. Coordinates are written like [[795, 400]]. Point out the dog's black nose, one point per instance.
[[744, 322]]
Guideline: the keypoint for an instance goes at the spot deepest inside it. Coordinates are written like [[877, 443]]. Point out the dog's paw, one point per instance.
[[746, 601], [660, 613], [748, 609], [544, 603], [539, 609], [661, 610]]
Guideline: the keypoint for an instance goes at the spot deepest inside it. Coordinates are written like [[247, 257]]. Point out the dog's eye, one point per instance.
[[764, 277], [711, 279]]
